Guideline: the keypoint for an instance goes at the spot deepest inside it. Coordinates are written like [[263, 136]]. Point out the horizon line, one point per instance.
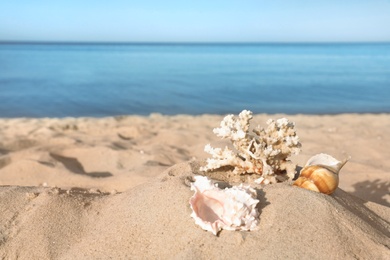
[[185, 42]]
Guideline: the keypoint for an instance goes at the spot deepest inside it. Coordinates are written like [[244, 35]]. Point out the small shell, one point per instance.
[[321, 174], [231, 209]]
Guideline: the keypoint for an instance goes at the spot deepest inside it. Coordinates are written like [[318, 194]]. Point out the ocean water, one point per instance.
[[60, 80]]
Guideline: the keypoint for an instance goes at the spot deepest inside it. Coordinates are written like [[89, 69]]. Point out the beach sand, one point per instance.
[[117, 187]]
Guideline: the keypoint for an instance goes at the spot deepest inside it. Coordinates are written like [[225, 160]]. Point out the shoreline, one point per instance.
[[193, 115]]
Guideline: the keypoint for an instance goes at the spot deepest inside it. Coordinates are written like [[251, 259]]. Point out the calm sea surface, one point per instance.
[[58, 80]]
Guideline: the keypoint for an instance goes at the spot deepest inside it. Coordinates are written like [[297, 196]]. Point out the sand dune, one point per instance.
[[153, 221], [88, 188]]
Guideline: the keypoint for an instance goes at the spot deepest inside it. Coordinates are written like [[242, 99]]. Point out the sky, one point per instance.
[[195, 21]]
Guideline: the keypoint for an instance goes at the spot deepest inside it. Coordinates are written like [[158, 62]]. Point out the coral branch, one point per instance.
[[264, 152]]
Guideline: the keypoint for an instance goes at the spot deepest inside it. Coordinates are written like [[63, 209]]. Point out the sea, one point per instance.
[[111, 79]]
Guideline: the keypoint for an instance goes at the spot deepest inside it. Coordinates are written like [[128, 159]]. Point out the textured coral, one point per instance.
[[263, 152]]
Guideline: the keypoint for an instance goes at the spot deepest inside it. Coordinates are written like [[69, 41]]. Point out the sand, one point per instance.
[[117, 187]]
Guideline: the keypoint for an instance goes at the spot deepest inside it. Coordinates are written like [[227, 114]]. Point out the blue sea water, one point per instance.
[[59, 80]]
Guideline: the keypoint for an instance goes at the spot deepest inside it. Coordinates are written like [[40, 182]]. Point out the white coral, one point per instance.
[[263, 152]]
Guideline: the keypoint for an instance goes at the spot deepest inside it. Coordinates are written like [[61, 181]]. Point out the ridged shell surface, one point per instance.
[[232, 208], [317, 178], [320, 174]]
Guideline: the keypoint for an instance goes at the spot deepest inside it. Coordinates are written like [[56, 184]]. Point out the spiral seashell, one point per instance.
[[321, 174]]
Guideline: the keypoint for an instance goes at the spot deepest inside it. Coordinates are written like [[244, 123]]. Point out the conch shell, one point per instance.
[[321, 174], [230, 208]]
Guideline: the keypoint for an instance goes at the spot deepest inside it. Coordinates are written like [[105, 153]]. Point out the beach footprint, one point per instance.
[[74, 166]]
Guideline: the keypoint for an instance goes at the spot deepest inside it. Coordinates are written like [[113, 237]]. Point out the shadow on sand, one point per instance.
[[375, 191]]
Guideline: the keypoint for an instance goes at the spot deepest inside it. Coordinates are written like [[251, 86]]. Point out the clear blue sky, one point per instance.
[[195, 21]]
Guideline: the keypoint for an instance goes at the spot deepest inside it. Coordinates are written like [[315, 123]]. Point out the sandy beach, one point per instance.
[[116, 187]]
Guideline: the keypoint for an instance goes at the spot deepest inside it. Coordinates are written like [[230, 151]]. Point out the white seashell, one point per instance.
[[232, 208], [326, 161]]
